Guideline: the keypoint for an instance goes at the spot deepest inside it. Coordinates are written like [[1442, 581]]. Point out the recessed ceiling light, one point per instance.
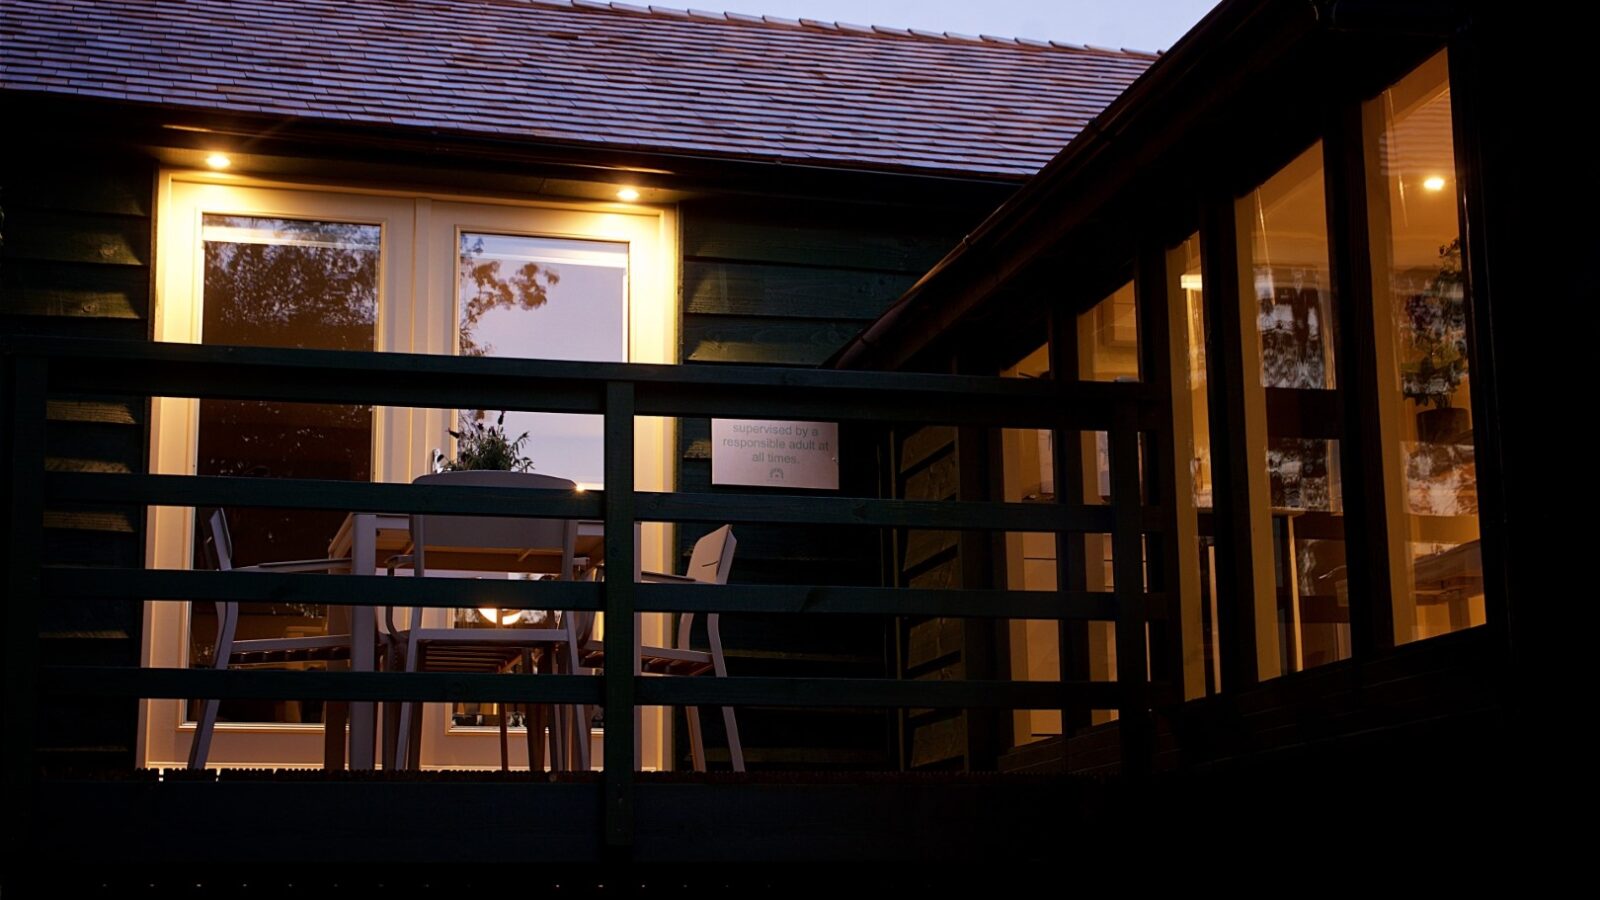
[[218, 161], [627, 195], [1434, 182]]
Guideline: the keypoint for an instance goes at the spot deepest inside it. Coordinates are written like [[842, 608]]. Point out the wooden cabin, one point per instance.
[[1180, 488]]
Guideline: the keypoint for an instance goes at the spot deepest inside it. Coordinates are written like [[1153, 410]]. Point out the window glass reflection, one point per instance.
[[298, 283], [1420, 302], [1300, 581]]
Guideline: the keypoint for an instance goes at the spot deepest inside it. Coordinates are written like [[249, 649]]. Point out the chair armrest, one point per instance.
[[664, 578], [298, 565]]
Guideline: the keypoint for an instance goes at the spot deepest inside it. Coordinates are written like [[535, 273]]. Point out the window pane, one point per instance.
[[1300, 579], [533, 297], [546, 298], [1192, 437], [283, 283], [1028, 470], [1108, 339], [1420, 301]]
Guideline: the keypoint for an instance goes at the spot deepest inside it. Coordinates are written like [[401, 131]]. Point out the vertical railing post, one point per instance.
[[1072, 556], [24, 392], [622, 661], [1127, 560], [1173, 548]]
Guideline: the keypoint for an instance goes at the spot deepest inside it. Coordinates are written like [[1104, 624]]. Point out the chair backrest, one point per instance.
[[709, 563], [493, 532], [712, 558], [216, 540]]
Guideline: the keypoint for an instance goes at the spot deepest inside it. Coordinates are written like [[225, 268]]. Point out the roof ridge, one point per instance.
[[733, 18]]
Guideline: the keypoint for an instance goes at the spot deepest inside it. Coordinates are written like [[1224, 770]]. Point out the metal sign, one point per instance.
[[776, 453]]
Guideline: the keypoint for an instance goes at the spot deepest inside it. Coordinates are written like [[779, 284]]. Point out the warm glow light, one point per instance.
[[505, 616], [627, 195], [1434, 182], [218, 161], [1189, 282]]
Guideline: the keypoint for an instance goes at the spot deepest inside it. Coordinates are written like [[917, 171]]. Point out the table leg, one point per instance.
[[334, 715], [363, 636]]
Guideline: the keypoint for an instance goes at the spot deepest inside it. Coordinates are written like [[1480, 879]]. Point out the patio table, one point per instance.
[[369, 540]]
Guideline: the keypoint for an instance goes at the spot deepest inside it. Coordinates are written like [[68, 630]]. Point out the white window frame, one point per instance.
[[416, 313]]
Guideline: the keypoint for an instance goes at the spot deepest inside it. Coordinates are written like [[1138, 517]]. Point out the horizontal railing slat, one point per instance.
[[439, 687], [784, 598], [935, 514], [305, 493], [451, 382], [875, 692], [279, 684], [138, 585], [328, 590], [232, 491]]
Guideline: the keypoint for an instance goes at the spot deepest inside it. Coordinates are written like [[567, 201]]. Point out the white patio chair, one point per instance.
[[218, 544], [488, 650], [710, 563]]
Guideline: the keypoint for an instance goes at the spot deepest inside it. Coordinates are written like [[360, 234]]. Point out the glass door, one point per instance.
[[270, 265], [267, 267]]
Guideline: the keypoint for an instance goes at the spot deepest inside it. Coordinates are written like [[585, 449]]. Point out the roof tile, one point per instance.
[[584, 72]]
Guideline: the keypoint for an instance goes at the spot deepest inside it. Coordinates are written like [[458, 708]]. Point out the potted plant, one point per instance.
[[1436, 367], [484, 447]]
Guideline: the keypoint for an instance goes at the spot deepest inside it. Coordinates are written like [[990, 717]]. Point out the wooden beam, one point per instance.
[[1366, 489], [621, 628], [280, 684], [1072, 556], [24, 397], [1128, 564], [1173, 547], [1231, 462], [81, 584], [874, 692], [450, 382], [439, 687]]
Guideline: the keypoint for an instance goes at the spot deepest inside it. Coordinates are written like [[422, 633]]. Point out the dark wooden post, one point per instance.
[[1071, 555], [1127, 560], [1230, 461], [1154, 288], [621, 634], [1356, 365], [25, 418]]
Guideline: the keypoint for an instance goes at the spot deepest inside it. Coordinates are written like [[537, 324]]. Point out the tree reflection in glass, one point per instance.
[[271, 282]]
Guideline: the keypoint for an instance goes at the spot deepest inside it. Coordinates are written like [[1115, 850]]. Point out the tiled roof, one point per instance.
[[583, 73]]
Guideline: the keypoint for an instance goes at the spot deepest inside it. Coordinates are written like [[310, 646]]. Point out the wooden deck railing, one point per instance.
[[37, 369]]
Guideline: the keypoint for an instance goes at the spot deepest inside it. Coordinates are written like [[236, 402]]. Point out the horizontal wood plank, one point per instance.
[[781, 342], [279, 684], [99, 185], [73, 290], [127, 584], [77, 237], [438, 687], [449, 382], [872, 692], [756, 238], [738, 289]]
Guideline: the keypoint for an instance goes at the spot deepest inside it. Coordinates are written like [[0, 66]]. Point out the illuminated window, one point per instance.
[[1420, 302]]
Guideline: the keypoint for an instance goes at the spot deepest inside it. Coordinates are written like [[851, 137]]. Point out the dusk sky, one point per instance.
[[1136, 24]]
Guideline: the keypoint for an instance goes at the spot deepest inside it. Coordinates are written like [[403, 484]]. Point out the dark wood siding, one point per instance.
[[77, 260], [777, 283]]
